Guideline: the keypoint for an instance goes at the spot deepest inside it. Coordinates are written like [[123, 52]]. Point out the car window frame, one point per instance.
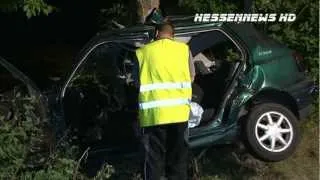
[[84, 58], [243, 62], [33, 89], [235, 42]]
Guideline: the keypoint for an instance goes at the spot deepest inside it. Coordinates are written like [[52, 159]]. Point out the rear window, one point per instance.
[[249, 33], [264, 39]]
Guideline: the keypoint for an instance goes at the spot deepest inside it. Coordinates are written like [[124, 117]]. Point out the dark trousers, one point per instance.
[[165, 152]]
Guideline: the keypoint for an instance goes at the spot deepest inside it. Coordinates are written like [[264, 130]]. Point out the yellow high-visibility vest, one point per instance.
[[165, 83]]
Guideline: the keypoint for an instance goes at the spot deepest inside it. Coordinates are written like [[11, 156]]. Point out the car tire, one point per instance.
[[271, 132]]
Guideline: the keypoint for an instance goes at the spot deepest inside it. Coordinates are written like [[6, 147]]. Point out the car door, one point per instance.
[[97, 98], [218, 89]]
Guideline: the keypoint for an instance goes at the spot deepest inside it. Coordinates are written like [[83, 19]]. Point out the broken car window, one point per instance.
[[98, 94]]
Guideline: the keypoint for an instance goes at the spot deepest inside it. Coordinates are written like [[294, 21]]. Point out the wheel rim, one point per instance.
[[274, 131]]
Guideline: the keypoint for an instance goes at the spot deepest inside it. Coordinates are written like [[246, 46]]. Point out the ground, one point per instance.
[[226, 162], [302, 165]]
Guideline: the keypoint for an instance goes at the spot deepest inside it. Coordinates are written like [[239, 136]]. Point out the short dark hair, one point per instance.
[[167, 27]]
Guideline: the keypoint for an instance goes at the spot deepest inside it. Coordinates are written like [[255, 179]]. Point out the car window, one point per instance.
[[98, 93], [107, 62], [214, 45], [97, 63], [249, 33]]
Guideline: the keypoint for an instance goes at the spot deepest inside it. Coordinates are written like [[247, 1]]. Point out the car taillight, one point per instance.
[[299, 61]]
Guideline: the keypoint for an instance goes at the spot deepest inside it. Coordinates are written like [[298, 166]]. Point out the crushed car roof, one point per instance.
[[180, 22]]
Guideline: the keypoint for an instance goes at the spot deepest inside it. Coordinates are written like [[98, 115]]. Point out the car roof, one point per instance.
[[255, 41], [184, 24], [181, 23]]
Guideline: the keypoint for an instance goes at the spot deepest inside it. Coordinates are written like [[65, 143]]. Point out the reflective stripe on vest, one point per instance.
[[165, 84], [155, 86], [162, 103]]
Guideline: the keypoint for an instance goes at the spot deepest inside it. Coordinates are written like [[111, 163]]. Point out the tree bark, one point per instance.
[[144, 8], [247, 6]]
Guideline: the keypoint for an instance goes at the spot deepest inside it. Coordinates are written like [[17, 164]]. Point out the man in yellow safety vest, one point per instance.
[[166, 73]]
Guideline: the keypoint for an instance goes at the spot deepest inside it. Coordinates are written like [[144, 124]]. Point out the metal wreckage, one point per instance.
[[251, 89]]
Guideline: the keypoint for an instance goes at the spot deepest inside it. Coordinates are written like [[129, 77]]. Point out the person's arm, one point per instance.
[[191, 67]]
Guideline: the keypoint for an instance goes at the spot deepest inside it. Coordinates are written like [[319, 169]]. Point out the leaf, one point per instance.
[[28, 14], [275, 27]]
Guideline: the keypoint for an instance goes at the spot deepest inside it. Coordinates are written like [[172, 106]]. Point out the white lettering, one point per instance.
[[238, 18], [291, 17], [235, 17], [246, 17], [230, 18], [223, 17], [272, 17], [263, 18], [254, 17], [214, 18], [283, 17], [198, 17], [206, 17]]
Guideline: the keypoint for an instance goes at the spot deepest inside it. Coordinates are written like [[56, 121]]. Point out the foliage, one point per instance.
[[119, 13], [30, 7], [26, 151], [209, 6], [116, 13], [302, 34]]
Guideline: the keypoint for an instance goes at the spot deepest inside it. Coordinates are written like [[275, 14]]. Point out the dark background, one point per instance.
[[44, 46]]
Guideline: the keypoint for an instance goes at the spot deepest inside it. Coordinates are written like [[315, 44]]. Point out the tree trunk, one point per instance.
[[247, 6], [144, 8]]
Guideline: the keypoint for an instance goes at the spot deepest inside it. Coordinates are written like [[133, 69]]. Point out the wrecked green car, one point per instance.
[[251, 89]]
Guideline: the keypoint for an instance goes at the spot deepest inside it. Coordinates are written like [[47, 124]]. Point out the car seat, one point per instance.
[[200, 68]]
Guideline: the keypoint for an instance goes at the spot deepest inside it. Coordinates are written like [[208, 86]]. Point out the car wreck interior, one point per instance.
[[216, 59], [101, 99]]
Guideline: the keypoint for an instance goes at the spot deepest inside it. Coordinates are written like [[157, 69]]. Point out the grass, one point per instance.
[[220, 164], [304, 164]]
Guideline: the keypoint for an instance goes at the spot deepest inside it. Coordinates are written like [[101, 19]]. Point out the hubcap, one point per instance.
[[274, 131]]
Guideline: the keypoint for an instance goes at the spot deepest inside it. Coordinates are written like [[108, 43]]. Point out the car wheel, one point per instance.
[[271, 132]]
